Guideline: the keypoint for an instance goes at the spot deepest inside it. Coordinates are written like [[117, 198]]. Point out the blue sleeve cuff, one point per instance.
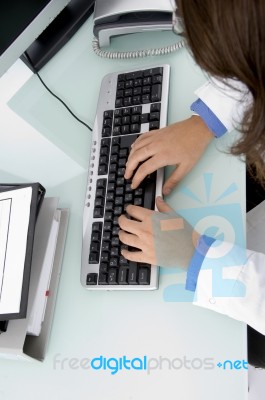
[[211, 120], [194, 268]]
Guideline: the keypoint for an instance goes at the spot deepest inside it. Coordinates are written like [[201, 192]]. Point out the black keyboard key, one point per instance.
[[105, 246], [121, 77], [115, 223], [98, 212], [117, 113], [138, 201], [106, 132], [110, 196], [113, 262], [93, 258], [145, 118], [96, 236], [101, 183], [147, 81], [156, 71], [123, 153], [138, 82], [119, 191], [129, 84], [136, 100], [112, 278], [128, 198], [102, 169], [115, 241], [120, 85], [128, 92], [146, 99], [112, 177], [102, 279], [118, 103], [137, 91], [115, 231], [122, 277], [139, 192], [108, 114], [109, 206], [123, 261], [94, 247], [106, 236], [125, 129], [156, 79], [155, 107], [117, 121], [120, 93], [149, 191], [135, 128], [115, 252], [156, 92], [103, 268], [132, 276], [107, 225], [147, 72], [111, 188], [122, 162], [154, 125], [113, 167], [146, 90], [100, 192], [115, 149], [107, 122], [104, 151], [99, 202], [126, 120], [137, 110], [91, 279], [121, 172], [118, 201], [113, 158], [155, 116], [128, 188], [144, 276], [108, 216], [115, 140], [97, 227], [118, 210], [135, 119], [126, 111], [120, 181], [116, 131], [104, 257]]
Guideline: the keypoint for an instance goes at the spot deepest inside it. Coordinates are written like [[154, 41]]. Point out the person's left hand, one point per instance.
[[158, 237]]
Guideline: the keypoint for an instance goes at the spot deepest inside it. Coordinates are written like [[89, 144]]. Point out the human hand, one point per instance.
[[181, 144], [162, 237]]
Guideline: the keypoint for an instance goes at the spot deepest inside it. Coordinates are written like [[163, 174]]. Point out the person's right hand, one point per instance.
[[181, 144]]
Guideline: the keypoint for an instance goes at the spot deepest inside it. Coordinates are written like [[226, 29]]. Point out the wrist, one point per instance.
[[202, 129]]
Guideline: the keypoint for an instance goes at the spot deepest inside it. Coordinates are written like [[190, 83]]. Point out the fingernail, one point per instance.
[[159, 198], [132, 185], [166, 191]]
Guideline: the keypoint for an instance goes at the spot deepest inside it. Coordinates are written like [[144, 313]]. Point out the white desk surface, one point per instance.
[[113, 324]]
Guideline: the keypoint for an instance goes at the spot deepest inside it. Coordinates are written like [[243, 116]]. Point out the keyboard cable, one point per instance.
[[54, 95]]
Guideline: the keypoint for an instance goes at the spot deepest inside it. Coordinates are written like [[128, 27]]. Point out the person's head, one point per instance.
[[227, 40]]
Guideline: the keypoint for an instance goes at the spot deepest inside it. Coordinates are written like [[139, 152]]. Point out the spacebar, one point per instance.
[[149, 185]]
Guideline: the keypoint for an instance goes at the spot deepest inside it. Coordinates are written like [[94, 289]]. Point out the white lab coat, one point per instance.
[[249, 269]]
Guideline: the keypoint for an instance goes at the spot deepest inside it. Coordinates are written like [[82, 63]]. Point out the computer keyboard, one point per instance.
[[130, 103]]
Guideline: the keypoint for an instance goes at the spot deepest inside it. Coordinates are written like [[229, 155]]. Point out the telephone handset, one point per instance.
[[119, 17]]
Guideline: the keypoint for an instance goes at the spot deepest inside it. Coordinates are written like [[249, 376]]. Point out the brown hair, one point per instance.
[[227, 39]]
